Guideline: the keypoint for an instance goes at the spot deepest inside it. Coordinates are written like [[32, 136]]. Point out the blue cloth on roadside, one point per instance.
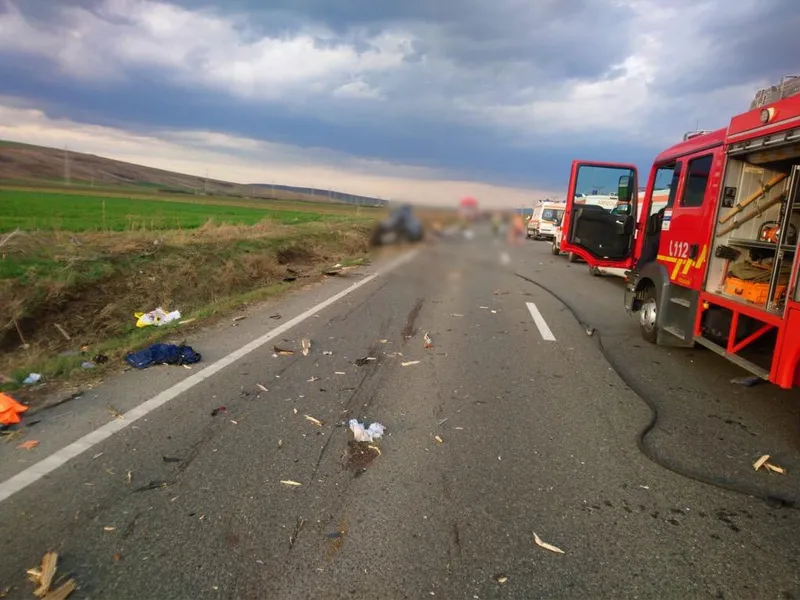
[[157, 354]]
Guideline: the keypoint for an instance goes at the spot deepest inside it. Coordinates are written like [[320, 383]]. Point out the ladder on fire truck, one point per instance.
[[789, 86]]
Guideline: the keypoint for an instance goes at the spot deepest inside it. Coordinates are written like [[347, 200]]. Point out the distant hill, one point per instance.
[[26, 164]]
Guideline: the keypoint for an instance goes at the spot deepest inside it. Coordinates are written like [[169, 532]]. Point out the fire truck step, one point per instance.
[[681, 301], [675, 331], [734, 358]]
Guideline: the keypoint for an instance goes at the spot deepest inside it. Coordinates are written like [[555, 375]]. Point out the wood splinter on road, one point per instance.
[[763, 462], [43, 577], [546, 546]]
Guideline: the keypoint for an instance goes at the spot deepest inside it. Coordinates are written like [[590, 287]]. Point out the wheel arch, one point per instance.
[[652, 274]]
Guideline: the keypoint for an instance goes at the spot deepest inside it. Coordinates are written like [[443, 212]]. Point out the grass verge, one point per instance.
[[89, 285]]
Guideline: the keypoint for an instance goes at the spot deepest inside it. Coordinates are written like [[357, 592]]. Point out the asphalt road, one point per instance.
[[534, 435]]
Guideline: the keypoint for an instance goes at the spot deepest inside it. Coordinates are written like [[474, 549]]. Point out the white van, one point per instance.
[[542, 224]]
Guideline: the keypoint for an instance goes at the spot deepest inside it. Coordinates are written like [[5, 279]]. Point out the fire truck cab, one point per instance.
[[717, 265]]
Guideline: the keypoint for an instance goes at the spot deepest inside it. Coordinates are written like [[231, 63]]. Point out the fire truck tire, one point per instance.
[[648, 313], [572, 257]]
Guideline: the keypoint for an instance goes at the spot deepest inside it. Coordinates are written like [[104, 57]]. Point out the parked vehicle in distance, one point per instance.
[[542, 224], [402, 225]]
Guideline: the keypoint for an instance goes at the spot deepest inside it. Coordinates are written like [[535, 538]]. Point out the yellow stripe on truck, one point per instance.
[[677, 268]]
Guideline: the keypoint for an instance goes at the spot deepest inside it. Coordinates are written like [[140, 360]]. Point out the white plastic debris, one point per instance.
[[32, 378], [157, 317], [370, 434]]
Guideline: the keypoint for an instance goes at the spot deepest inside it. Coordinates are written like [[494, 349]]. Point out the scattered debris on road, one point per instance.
[[282, 351], [360, 362], [546, 546], [276, 316], [291, 483], [456, 315], [109, 528], [239, 318], [427, 341], [409, 363], [114, 412], [590, 331], [28, 445], [327, 353], [438, 439], [43, 577], [369, 434], [298, 527], [312, 379], [311, 419], [306, 346], [749, 381], [501, 578], [764, 462], [261, 387], [218, 410]]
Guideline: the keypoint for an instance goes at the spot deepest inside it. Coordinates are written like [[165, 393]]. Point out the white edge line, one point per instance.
[[60, 457], [541, 324]]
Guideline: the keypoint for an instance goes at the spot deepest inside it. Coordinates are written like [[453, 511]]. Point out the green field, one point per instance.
[[32, 210]]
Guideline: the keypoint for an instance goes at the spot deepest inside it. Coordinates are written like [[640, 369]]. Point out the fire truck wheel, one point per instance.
[[647, 315], [572, 257]]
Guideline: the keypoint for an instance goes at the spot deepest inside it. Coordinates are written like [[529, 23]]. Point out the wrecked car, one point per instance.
[[400, 226]]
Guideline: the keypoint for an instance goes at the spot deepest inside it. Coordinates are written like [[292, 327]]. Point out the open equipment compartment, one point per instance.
[[753, 254], [755, 238]]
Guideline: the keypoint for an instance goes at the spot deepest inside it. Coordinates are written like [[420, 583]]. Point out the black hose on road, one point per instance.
[[774, 501]]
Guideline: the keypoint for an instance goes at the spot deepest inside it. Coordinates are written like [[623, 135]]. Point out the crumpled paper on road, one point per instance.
[[369, 434]]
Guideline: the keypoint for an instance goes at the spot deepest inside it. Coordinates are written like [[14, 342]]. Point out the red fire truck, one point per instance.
[[717, 266]]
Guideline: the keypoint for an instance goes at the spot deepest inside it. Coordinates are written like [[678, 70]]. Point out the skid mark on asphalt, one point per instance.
[[410, 328], [541, 324]]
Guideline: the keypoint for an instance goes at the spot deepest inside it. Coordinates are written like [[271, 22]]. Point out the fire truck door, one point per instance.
[[598, 236], [686, 225]]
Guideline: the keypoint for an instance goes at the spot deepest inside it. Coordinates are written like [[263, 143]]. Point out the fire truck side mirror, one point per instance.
[[624, 188]]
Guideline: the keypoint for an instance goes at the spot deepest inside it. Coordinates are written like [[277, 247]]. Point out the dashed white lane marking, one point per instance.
[[541, 324], [47, 465]]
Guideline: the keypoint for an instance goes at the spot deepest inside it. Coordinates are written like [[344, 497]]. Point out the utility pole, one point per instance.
[[66, 167]]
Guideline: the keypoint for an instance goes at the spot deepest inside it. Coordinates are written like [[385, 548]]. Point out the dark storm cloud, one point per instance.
[[484, 54], [746, 43]]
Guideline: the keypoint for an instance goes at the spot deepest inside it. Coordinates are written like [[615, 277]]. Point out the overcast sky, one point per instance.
[[403, 99]]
